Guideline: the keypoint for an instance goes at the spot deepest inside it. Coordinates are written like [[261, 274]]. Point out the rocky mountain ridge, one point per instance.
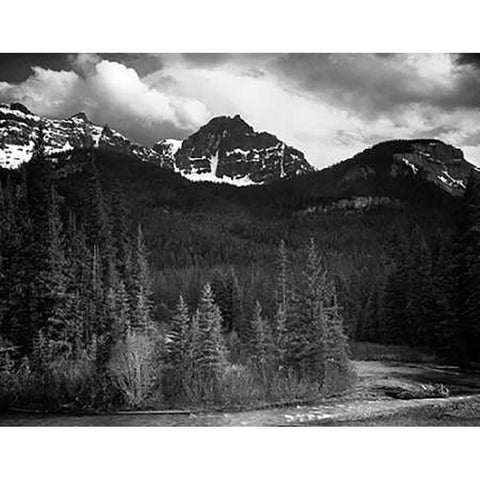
[[19, 128], [225, 150]]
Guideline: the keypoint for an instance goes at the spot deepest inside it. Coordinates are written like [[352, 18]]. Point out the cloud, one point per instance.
[[328, 105], [109, 92], [84, 63]]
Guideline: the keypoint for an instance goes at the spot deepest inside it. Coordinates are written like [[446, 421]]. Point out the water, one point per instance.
[[324, 412], [319, 414]]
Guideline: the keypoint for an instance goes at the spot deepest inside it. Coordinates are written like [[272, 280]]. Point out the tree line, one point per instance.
[[79, 322]]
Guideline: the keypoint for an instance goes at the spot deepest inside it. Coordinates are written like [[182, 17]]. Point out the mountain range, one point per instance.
[[225, 150], [228, 150]]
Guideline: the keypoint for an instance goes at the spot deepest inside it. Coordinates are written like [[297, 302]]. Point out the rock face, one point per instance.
[[167, 149], [19, 128], [389, 166], [227, 149], [436, 162]]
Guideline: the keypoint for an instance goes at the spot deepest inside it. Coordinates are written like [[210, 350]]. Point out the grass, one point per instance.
[[393, 353]]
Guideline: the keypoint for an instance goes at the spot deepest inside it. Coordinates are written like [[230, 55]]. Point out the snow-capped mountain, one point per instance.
[[225, 150], [19, 127], [229, 150]]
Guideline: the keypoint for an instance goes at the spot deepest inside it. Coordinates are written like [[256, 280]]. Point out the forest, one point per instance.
[[122, 285]]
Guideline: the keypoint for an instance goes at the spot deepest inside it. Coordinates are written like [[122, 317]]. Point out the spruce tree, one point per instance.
[[283, 303], [260, 347], [210, 358], [306, 334], [141, 301], [338, 373], [178, 337]]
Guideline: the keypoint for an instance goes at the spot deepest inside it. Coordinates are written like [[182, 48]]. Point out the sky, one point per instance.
[[330, 106]]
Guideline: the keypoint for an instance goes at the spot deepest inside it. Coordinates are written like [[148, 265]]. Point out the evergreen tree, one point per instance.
[[210, 350], [306, 333], [141, 302], [338, 371], [178, 347], [95, 210], [283, 302], [260, 343]]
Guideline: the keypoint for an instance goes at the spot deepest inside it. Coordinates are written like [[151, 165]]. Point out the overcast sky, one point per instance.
[[330, 106]]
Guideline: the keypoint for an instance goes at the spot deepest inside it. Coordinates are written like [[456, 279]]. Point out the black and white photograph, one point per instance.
[[173, 254], [249, 238]]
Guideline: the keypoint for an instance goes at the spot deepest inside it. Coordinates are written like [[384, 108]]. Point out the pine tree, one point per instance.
[[178, 337], [260, 347], [95, 210], [306, 334], [141, 302], [338, 372], [210, 358], [283, 303]]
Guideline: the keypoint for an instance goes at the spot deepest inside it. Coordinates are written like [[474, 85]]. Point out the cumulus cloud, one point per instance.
[[109, 92], [328, 105], [331, 105]]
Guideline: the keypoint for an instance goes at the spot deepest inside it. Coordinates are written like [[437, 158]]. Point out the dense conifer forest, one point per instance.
[[125, 286]]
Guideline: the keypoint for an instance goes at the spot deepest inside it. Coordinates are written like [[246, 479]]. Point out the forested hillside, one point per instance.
[[220, 295]]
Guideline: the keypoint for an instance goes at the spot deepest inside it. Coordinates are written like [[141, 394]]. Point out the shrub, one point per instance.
[[135, 370]]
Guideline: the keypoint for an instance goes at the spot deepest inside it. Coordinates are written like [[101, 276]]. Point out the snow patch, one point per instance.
[[214, 164], [239, 151], [14, 155], [176, 145], [211, 177], [410, 164], [447, 179]]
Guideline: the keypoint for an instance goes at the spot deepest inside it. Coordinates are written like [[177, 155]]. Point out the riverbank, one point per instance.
[[369, 403]]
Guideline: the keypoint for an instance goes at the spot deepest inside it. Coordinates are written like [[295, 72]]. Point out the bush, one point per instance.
[[64, 382], [135, 370]]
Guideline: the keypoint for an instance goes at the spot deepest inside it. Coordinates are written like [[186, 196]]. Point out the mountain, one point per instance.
[[228, 150], [425, 172], [428, 159], [19, 127]]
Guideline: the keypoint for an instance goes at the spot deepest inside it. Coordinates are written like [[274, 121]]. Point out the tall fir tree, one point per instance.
[[261, 342], [210, 350], [141, 294]]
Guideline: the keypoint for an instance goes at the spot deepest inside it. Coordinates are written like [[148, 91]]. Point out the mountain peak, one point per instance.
[[20, 107], [227, 149], [227, 123], [80, 116]]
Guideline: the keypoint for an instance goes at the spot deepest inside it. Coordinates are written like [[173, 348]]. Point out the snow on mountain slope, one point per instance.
[[391, 165], [19, 128], [437, 163], [227, 149]]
